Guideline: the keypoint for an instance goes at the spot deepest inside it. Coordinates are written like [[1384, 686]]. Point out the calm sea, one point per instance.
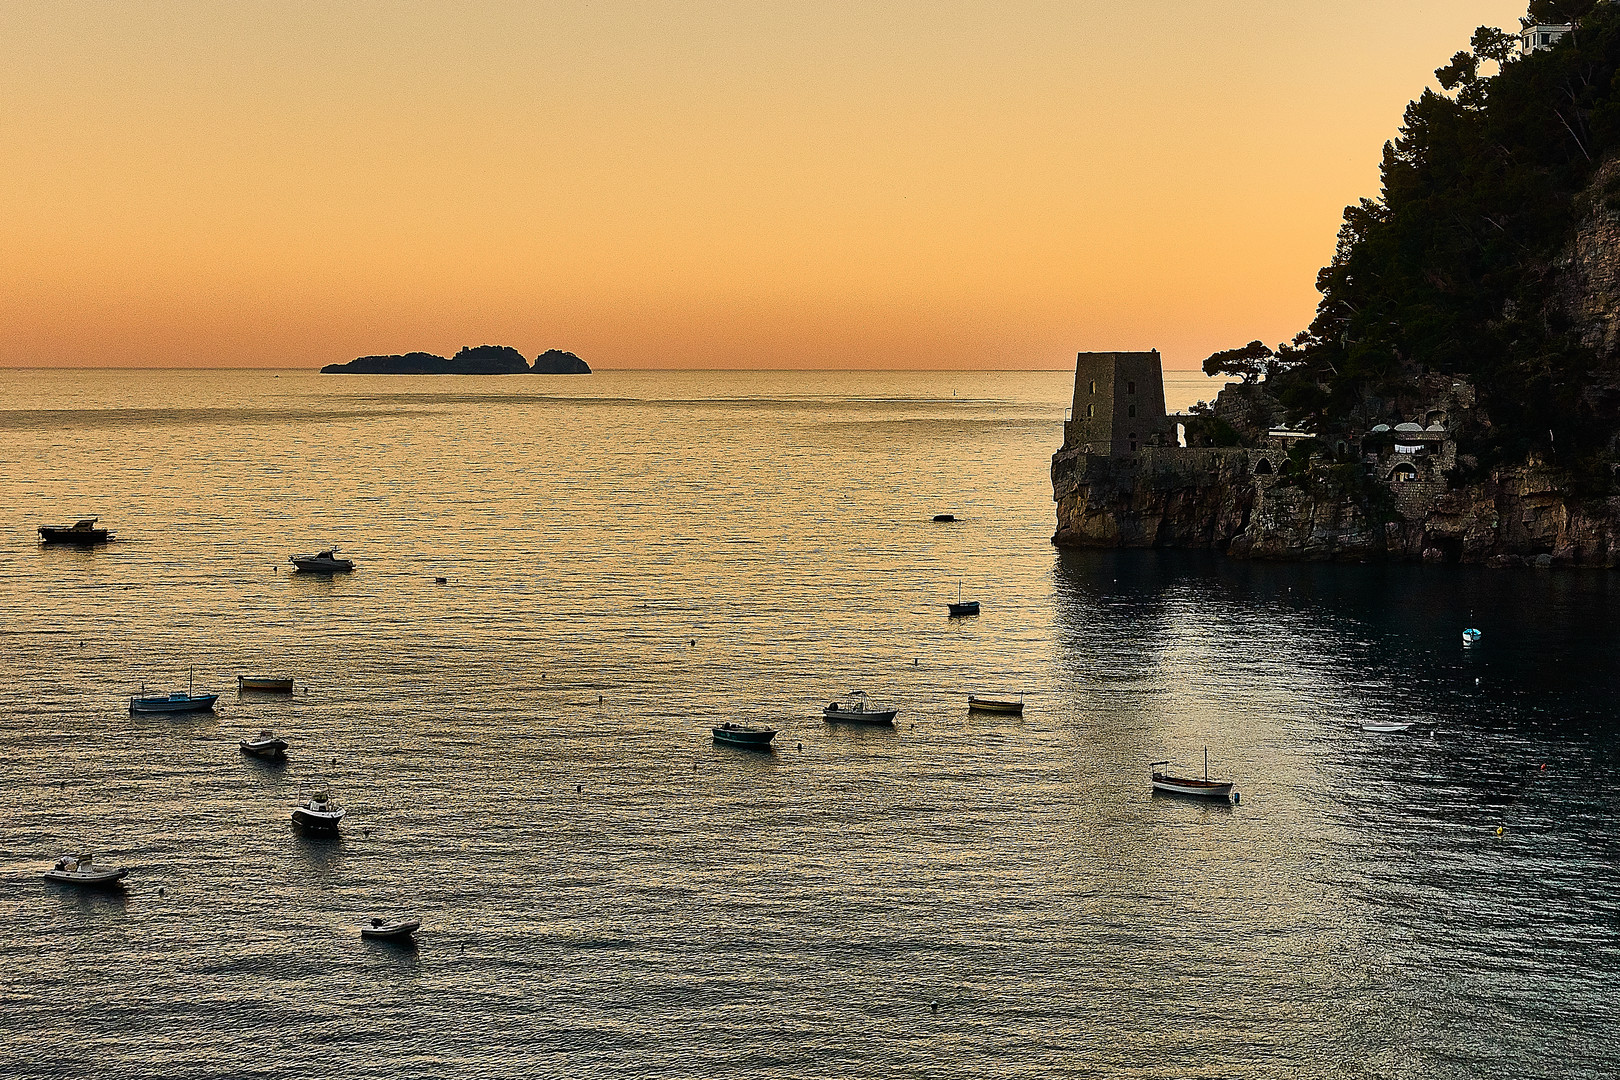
[[633, 557]]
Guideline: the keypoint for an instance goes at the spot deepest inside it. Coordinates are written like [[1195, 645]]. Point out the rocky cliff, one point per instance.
[[479, 360]]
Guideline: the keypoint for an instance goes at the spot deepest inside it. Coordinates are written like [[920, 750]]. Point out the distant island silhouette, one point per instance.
[[483, 360]]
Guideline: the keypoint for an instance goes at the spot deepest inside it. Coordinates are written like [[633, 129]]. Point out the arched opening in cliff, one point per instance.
[[1263, 469], [1450, 547]]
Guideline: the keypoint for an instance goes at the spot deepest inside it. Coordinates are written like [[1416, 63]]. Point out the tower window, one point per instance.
[[1130, 387], [1133, 410], [1093, 386], [1091, 411]]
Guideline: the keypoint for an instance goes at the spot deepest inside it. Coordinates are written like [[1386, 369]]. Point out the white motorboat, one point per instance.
[[318, 811], [1387, 727], [82, 870], [382, 930], [266, 744], [858, 710], [322, 562]]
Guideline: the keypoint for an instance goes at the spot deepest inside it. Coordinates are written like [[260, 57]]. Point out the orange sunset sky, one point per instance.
[[703, 183]]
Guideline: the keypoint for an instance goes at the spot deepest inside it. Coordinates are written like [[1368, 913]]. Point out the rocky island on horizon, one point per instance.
[[481, 360], [1457, 396]]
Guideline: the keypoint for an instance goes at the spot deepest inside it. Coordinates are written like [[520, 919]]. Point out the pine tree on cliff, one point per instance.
[[1452, 268]]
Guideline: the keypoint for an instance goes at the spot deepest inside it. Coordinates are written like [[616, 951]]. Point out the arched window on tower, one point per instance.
[[1263, 469], [1091, 411], [1130, 387], [1132, 410]]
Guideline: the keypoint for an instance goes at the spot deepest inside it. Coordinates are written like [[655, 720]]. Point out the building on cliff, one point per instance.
[[1118, 403], [1533, 37]]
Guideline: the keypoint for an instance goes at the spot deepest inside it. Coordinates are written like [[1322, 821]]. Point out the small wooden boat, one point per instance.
[[944, 517], [1187, 785], [82, 870], [83, 531], [263, 684], [382, 930], [960, 607], [757, 736], [175, 702], [996, 705], [1386, 727], [859, 711], [318, 811], [267, 744], [322, 562]]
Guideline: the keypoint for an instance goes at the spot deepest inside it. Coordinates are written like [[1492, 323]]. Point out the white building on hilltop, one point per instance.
[[1538, 36]]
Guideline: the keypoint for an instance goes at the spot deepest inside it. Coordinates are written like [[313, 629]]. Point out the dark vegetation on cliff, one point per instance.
[[1459, 269]]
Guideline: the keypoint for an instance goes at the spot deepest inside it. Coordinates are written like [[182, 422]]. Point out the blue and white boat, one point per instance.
[[176, 702], [1470, 636]]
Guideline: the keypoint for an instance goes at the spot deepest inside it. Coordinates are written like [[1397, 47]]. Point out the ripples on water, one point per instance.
[[607, 893]]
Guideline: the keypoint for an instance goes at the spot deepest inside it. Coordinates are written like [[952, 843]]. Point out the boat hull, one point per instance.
[[198, 703], [1200, 789], [49, 534], [317, 822], [754, 738], [1014, 708], [264, 686], [275, 748], [322, 566], [959, 610], [392, 931], [879, 717], [1386, 729], [100, 879]]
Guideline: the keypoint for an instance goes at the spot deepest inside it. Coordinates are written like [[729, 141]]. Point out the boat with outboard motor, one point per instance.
[[83, 531], [383, 930], [322, 562], [755, 736], [82, 870], [267, 744], [317, 811], [1387, 727], [1189, 785], [858, 710]]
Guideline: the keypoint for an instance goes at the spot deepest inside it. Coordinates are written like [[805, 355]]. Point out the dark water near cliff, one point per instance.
[[607, 893]]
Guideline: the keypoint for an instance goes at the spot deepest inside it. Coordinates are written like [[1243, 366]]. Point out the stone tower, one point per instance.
[[1118, 403]]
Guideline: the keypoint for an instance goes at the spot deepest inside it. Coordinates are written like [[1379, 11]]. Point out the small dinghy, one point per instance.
[[82, 870], [996, 705], [318, 811], [755, 736], [859, 711], [959, 607], [1387, 727], [263, 684], [944, 517], [381, 930], [322, 562], [1189, 785], [267, 744]]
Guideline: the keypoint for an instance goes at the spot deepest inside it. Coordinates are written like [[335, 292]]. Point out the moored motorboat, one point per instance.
[[82, 870], [264, 684], [1387, 726], [322, 562], [858, 710], [757, 736], [383, 930], [83, 531], [996, 705], [267, 744], [318, 811], [1190, 785]]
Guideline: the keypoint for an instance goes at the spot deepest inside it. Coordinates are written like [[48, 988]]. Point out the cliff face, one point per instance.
[[558, 362], [1168, 497]]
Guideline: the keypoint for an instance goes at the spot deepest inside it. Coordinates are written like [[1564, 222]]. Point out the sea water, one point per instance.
[[631, 558]]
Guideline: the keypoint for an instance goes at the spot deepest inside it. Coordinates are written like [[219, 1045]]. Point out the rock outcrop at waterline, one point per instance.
[[481, 360]]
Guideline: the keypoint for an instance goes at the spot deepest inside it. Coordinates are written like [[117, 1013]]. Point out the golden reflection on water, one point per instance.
[[525, 757]]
